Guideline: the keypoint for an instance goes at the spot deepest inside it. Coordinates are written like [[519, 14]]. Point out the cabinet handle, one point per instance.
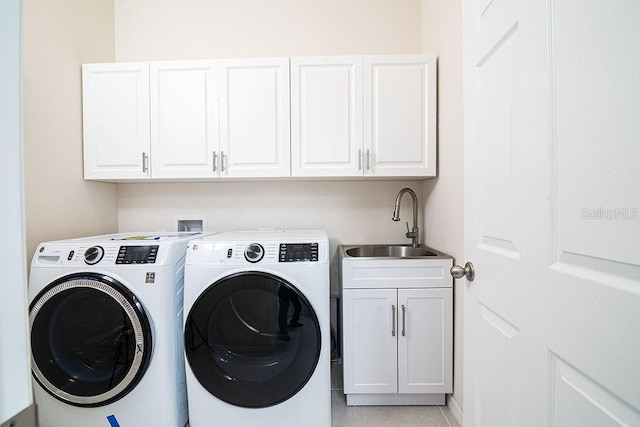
[[360, 160], [404, 315], [215, 161], [145, 160], [222, 161], [393, 320], [368, 160]]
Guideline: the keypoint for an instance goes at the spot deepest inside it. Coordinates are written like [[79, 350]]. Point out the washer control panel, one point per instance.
[[297, 252], [137, 254]]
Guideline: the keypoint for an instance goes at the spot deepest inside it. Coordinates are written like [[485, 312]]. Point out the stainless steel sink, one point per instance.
[[389, 251]]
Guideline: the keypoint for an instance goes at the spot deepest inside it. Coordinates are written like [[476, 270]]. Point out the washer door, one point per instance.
[[252, 339], [90, 339]]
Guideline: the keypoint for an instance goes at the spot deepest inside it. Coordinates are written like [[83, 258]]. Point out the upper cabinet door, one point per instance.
[[115, 108], [326, 116], [400, 115], [254, 118], [184, 119]]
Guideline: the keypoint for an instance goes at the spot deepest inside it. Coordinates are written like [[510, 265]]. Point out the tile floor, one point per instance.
[[392, 416]]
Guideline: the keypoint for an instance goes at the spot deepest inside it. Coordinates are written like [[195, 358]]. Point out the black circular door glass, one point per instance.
[[252, 340], [90, 340]]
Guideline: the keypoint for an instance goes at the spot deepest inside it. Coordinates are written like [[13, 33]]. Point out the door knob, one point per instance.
[[468, 271]]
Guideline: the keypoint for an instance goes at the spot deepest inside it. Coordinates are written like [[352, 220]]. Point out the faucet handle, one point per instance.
[[410, 233]]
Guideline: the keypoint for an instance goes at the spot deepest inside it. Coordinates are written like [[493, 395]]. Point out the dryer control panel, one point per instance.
[[258, 253]]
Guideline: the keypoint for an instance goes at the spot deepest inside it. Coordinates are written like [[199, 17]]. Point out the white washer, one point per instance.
[[257, 332], [106, 330]]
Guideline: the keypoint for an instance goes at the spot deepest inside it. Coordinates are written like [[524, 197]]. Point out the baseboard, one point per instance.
[[453, 406], [381, 399], [26, 418]]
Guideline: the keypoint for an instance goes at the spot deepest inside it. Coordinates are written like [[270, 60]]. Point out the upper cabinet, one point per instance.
[[363, 116], [342, 116], [226, 118], [187, 119], [115, 122]]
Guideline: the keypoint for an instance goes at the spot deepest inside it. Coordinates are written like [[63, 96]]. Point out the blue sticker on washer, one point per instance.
[[112, 421]]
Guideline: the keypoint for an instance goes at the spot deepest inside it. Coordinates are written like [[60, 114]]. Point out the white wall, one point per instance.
[[350, 211], [58, 37], [444, 203], [195, 29], [15, 370]]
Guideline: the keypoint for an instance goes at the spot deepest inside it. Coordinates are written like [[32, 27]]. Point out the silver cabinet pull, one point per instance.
[[360, 160], [393, 320], [368, 160], [404, 316], [222, 161], [145, 160], [215, 161]]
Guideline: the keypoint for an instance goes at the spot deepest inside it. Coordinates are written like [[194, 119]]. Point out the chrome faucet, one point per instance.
[[414, 234]]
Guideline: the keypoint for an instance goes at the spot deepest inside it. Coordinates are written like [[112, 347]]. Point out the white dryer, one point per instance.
[[257, 329], [106, 330]]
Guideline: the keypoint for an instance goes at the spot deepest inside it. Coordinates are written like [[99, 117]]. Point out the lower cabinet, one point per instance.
[[397, 345]]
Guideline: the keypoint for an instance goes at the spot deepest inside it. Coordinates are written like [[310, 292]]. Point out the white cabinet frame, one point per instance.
[[397, 330]]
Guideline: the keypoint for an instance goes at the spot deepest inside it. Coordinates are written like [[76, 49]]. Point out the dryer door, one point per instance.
[[90, 339], [252, 339]]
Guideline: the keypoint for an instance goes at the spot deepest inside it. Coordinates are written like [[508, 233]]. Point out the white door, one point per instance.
[[184, 119], [370, 341], [326, 116], [399, 94], [425, 340], [552, 213], [115, 120], [254, 118]]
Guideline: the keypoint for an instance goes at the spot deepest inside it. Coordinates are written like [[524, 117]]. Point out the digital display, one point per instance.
[[296, 252], [137, 254]]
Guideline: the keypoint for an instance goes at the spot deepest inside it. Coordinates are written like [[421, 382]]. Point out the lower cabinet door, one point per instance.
[[370, 341], [425, 345]]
